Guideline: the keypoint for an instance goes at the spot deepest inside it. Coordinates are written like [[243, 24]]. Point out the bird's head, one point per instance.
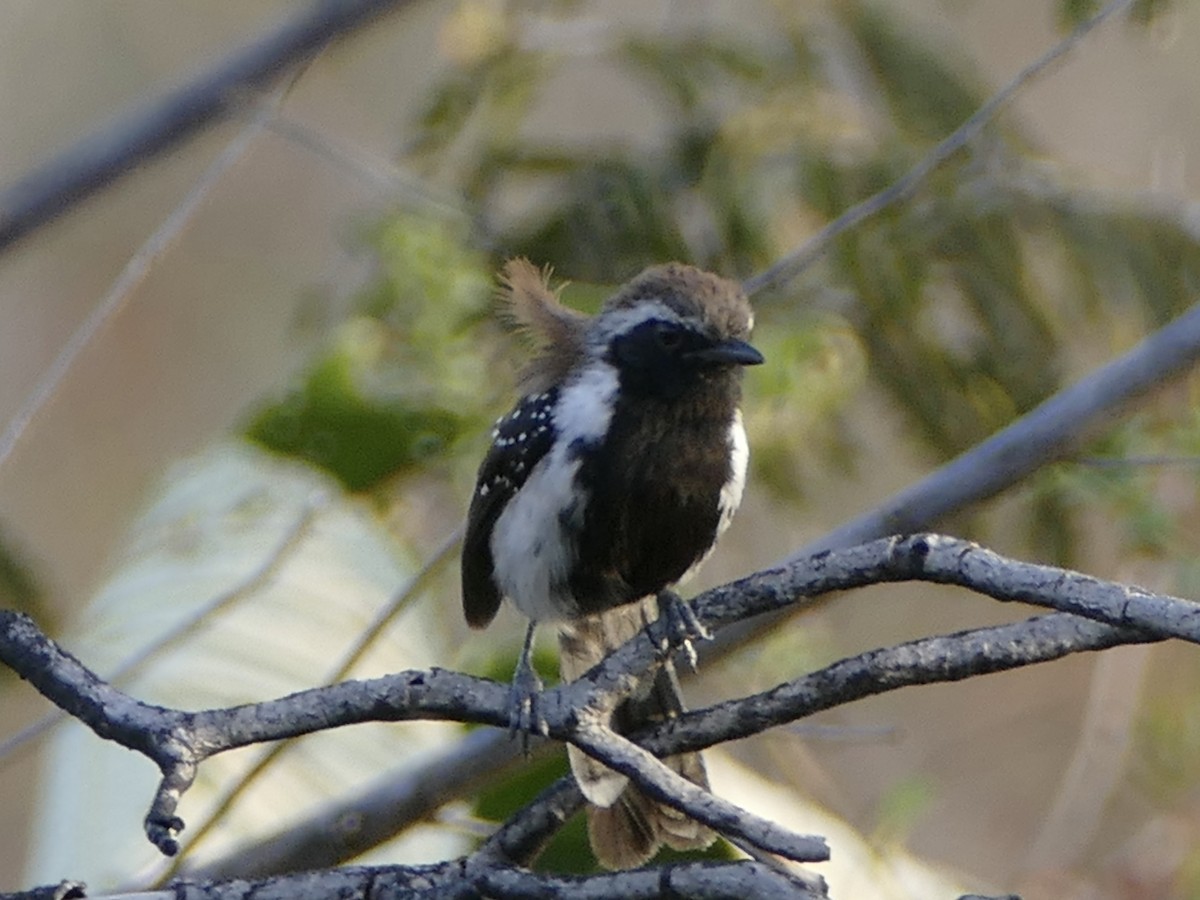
[[672, 329]]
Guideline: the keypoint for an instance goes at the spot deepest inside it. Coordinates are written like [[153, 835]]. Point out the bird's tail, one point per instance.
[[626, 828]]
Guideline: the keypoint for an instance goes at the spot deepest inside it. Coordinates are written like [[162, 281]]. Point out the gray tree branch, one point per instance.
[[45, 195], [663, 783], [459, 881], [796, 262], [932, 660], [1050, 432], [354, 824], [1093, 614], [132, 139]]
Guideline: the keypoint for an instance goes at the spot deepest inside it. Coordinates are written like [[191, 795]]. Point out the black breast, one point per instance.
[[653, 493]]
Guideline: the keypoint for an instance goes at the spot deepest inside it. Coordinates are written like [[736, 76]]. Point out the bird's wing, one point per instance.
[[519, 441]]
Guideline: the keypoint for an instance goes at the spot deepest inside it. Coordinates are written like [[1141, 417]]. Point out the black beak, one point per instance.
[[731, 352]]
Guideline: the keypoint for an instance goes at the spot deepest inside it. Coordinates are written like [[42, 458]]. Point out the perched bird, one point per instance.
[[608, 483]]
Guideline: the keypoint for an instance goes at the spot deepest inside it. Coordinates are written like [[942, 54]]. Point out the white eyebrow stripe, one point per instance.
[[620, 321]]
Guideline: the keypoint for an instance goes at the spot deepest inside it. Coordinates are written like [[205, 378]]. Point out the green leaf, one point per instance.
[[333, 422]]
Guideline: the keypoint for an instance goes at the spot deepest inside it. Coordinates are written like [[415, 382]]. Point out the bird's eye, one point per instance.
[[669, 338]]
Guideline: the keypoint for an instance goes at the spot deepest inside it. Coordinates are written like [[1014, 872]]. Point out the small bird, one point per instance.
[[607, 484]]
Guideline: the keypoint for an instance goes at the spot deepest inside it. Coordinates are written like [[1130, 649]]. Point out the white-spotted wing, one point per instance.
[[519, 440]]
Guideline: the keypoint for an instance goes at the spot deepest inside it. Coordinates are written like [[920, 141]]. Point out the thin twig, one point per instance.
[[1133, 462], [135, 138], [134, 271], [805, 255], [382, 175], [1099, 764], [400, 601], [662, 783]]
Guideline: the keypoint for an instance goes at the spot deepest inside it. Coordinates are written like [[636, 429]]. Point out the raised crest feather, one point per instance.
[[556, 332]]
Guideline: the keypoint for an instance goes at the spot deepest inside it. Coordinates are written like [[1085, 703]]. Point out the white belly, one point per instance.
[[532, 545], [533, 541]]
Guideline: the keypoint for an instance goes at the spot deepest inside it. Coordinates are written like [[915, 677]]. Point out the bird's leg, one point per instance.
[[523, 695], [680, 625]]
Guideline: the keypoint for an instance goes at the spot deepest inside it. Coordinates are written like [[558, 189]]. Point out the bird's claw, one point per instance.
[[680, 626], [523, 715], [523, 695]]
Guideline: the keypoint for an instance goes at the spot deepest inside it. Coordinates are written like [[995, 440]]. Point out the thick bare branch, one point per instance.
[[735, 881], [927, 661], [370, 816], [946, 560], [179, 741], [455, 881], [1043, 436]]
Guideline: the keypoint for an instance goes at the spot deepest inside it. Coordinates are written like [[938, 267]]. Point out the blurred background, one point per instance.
[[286, 409]]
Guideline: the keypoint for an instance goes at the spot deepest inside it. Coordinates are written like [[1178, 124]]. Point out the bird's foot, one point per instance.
[[680, 626], [523, 716]]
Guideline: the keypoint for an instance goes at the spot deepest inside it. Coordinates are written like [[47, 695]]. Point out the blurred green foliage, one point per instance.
[[901, 809], [18, 587], [963, 306], [1072, 12], [400, 382], [1166, 760]]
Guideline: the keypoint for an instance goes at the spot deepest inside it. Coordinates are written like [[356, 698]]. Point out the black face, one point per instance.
[[663, 358]]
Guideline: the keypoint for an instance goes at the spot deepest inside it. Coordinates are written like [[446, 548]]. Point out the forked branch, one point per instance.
[[1093, 614]]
